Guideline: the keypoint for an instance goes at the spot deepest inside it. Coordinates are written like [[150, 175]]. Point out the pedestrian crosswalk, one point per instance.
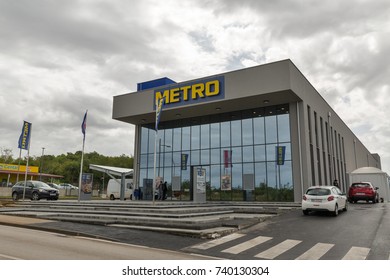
[[357, 253], [316, 252], [277, 250], [246, 245], [238, 243]]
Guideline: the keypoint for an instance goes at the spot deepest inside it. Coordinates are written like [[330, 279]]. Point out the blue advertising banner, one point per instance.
[[184, 160], [24, 139], [280, 154]]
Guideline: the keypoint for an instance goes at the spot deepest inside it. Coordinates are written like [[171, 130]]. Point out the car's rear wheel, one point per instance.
[[35, 196], [15, 196], [336, 210], [112, 197], [305, 212]]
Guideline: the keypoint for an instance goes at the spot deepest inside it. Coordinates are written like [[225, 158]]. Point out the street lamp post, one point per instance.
[[41, 165]]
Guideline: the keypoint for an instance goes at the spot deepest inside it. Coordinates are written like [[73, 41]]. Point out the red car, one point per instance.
[[363, 191]]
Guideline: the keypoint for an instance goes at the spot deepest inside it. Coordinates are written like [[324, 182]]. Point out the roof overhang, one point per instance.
[[115, 171]]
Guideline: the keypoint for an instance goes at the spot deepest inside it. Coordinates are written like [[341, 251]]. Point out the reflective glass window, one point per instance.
[[258, 130], [225, 134], [168, 160], [236, 133], [143, 161], [215, 156], [270, 129], [271, 174], [237, 176], [144, 136], [195, 157], [236, 154], [205, 136], [186, 136], [260, 153], [151, 138], [168, 137], [283, 128], [195, 137], [215, 135], [142, 176], [205, 157], [248, 168], [250, 139], [176, 163], [247, 154], [167, 175], [247, 132], [271, 152], [177, 139]]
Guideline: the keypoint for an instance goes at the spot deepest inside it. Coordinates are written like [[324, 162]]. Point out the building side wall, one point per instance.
[[331, 149], [300, 177]]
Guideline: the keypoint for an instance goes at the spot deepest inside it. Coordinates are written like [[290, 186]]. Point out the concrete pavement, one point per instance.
[[208, 220]]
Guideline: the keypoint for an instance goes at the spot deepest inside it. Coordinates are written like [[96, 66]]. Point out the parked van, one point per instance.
[[114, 189]]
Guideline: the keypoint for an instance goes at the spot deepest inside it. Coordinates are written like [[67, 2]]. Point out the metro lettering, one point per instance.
[[187, 93]]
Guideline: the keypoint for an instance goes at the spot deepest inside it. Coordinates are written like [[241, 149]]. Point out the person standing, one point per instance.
[[164, 190], [160, 190]]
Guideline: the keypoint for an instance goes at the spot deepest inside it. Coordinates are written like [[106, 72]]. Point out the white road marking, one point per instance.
[[357, 253], [316, 252], [9, 257], [279, 249], [216, 242], [246, 245]]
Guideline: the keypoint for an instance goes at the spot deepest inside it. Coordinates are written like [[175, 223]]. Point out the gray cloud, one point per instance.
[[60, 58]]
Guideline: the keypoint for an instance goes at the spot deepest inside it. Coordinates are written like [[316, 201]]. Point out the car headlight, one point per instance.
[[42, 190]]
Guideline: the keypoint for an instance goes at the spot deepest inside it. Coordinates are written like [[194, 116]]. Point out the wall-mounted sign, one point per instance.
[[191, 93]]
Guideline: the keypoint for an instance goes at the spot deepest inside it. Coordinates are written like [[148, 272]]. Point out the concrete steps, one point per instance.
[[208, 220]]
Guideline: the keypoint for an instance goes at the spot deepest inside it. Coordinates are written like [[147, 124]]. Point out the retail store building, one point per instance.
[[10, 174], [258, 134]]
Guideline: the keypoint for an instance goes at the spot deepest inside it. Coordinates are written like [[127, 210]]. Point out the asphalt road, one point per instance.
[[26, 244], [360, 233]]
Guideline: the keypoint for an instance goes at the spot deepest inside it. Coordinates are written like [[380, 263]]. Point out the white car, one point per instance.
[[324, 198], [68, 186]]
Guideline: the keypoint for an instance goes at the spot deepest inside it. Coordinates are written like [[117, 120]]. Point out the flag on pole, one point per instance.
[[84, 124], [159, 105], [24, 139], [227, 158]]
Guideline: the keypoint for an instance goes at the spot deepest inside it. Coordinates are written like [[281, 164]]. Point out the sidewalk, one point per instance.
[[210, 220]]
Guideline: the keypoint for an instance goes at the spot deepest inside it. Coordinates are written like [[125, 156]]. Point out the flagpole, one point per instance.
[[20, 156], [154, 166], [28, 157], [81, 168], [159, 104], [83, 129]]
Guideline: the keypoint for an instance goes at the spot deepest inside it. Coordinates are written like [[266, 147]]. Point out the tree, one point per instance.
[[6, 155]]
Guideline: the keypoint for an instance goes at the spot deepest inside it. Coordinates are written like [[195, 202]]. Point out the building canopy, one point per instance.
[[111, 170]]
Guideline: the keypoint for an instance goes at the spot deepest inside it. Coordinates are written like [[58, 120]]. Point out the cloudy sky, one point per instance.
[[60, 58]]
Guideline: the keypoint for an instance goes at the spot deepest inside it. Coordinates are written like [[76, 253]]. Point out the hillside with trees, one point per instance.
[[68, 165]]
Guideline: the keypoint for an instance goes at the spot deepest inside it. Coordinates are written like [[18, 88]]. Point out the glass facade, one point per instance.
[[246, 154]]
